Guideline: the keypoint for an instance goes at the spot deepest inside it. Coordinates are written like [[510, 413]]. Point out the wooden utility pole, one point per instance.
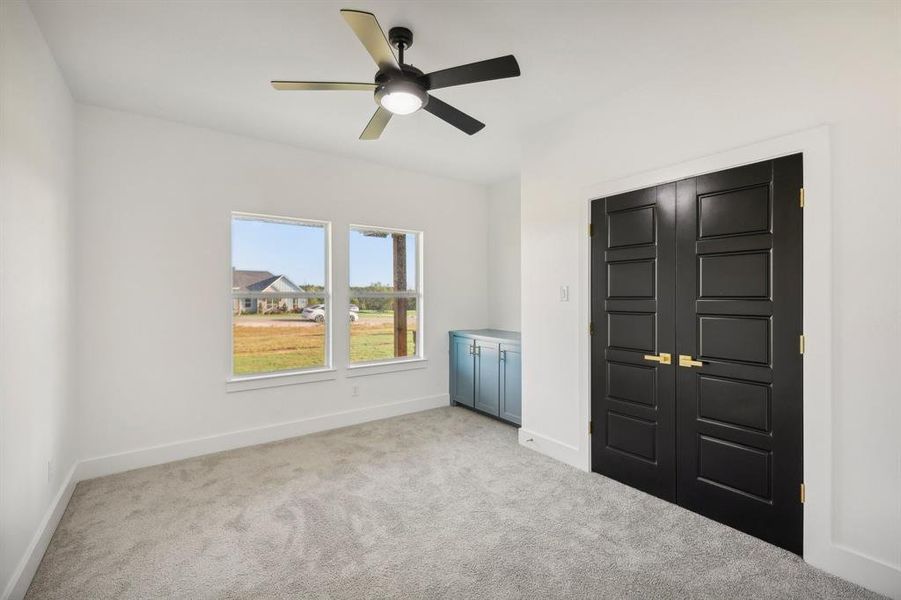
[[400, 285]]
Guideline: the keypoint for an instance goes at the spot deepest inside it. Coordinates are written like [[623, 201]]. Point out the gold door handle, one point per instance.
[[687, 361], [663, 358]]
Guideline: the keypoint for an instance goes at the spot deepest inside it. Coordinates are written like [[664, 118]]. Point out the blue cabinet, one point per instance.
[[462, 370], [485, 372], [487, 377], [511, 383]]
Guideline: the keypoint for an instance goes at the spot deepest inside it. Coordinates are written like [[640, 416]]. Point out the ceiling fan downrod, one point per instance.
[[401, 38]]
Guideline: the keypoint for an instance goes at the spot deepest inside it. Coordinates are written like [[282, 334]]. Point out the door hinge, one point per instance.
[[591, 328], [801, 197], [590, 427], [590, 230], [803, 494], [801, 343]]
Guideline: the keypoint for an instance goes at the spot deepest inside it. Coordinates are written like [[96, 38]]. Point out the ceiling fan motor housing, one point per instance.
[[405, 81]]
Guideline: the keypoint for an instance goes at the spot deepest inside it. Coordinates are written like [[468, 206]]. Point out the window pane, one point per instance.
[[277, 332], [373, 257], [274, 336], [291, 249], [383, 328]]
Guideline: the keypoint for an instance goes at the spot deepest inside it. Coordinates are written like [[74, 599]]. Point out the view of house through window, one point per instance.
[[385, 294], [279, 295]]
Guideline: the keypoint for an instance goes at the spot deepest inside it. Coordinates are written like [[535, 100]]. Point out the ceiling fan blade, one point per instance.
[[324, 85], [376, 125], [370, 33], [457, 118], [486, 70]]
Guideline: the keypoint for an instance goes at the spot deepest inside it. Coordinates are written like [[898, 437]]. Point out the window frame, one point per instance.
[[286, 376], [417, 294]]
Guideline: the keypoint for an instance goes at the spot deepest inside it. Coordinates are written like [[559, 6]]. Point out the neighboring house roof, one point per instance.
[[264, 284], [242, 280], [261, 281]]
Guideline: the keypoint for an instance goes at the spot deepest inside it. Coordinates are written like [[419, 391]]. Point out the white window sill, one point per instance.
[[376, 368], [256, 382]]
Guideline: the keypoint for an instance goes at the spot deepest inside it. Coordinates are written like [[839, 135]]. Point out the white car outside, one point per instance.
[[316, 312]]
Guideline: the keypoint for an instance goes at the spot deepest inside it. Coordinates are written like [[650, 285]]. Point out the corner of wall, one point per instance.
[[37, 437], [553, 448], [503, 267]]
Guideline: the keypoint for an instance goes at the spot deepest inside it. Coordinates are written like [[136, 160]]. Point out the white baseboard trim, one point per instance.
[[551, 447], [859, 568], [28, 566], [156, 455]]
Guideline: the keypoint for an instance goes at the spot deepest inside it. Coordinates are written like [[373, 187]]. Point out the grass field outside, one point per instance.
[[285, 342]]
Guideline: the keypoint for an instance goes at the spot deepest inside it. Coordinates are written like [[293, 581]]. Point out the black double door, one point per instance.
[[697, 345]]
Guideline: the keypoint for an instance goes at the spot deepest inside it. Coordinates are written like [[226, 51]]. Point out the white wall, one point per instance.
[[503, 255], [792, 67], [153, 223], [36, 160]]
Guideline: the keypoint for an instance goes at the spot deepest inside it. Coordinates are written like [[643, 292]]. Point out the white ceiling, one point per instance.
[[209, 62]]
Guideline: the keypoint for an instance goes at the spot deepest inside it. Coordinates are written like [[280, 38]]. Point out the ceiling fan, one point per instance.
[[402, 89]]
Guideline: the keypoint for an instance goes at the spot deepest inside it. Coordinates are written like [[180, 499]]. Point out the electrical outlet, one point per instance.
[[564, 293], [355, 390]]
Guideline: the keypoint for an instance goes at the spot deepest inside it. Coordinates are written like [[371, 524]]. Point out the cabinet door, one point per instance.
[[462, 371], [487, 377], [511, 383]]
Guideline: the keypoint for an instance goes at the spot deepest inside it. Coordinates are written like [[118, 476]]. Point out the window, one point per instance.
[[385, 294], [280, 295]]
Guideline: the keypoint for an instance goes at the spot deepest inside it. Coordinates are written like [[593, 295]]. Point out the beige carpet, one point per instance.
[[439, 504]]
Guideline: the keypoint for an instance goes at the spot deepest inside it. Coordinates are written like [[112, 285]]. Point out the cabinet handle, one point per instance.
[[503, 355]]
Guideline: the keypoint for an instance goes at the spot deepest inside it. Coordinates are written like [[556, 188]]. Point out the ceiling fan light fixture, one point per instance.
[[401, 103], [401, 97]]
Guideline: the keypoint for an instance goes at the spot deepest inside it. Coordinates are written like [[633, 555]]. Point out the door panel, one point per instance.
[[463, 371], [633, 267], [632, 435], [631, 331], [511, 383], [734, 466], [742, 339], [736, 403], [734, 212], [631, 279], [487, 377], [738, 312], [631, 226], [736, 275], [632, 383]]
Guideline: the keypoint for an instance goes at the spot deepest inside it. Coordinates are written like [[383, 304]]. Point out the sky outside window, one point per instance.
[[372, 259], [297, 250]]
